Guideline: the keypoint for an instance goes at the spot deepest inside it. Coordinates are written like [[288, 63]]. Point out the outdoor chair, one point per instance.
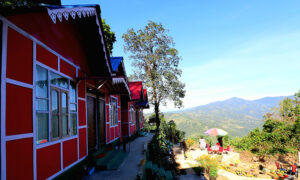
[[209, 150], [279, 167], [220, 150], [218, 144], [227, 149], [293, 171]]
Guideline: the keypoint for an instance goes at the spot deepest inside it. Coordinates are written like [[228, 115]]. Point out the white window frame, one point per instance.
[[132, 114], [113, 113], [68, 91]]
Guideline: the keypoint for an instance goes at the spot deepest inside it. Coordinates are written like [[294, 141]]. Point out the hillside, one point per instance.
[[237, 116]]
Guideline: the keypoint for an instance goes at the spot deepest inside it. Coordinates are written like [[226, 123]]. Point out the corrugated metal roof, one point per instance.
[[115, 63], [135, 89]]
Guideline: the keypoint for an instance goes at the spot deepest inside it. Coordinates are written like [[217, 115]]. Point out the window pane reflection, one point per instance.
[[41, 82], [73, 92], [54, 101], [42, 127], [64, 106], [41, 105], [55, 126], [64, 125], [73, 124], [58, 80], [73, 108]]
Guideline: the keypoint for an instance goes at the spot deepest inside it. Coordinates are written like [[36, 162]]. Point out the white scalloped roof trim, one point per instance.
[[80, 12], [119, 80]]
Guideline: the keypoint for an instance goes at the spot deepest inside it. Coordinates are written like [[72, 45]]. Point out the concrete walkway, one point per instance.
[[131, 166]]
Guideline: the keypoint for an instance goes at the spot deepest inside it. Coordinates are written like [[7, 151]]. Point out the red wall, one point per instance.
[[70, 152], [19, 58], [48, 161], [82, 142], [81, 113], [19, 159], [19, 113], [18, 116], [46, 57]]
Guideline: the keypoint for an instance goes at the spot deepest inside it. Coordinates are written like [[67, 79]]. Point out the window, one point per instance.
[[132, 114], [60, 95], [113, 111], [73, 108], [41, 105]]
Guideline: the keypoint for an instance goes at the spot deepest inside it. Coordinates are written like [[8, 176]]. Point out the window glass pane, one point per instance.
[[73, 92], [73, 108], [41, 82], [64, 106], [116, 115], [54, 102], [58, 80], [41, 105], [64, 125], [73, 124], [42, 127], [55, 126]]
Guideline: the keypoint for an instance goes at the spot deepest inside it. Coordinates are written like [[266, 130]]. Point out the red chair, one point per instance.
[[279, 167], [227, 149], [218, 144], [293, 171], [220, 150], [209, 150]]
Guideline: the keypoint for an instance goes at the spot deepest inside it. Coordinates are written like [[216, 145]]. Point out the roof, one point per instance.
[[115, 63], [55, 26], [136, 90]]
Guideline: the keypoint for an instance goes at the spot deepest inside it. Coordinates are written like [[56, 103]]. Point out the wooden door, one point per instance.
[[91, 118], [101, 129]]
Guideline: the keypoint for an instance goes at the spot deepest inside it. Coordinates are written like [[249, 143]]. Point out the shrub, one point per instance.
[[190, 142], [213, 172], [207, 162]]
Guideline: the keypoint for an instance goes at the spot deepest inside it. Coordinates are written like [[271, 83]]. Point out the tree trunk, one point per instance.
[[157, 120]]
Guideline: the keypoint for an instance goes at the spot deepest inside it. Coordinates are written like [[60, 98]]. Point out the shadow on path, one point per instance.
[[131, 166]]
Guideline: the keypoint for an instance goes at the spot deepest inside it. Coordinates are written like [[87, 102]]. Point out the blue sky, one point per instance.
[[247, 49]]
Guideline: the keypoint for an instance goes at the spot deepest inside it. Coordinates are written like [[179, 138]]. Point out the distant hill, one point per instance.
[[235, 115]]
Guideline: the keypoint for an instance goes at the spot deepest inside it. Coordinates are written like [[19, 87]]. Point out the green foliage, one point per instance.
[[279, 134], [213, 172], [110, 37], [15, 3], [156, 63], [160, 146], [208, 162]]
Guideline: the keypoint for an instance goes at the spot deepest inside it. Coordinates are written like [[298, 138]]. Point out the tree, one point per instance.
[[156, 64], [110, 37], [16, 3]]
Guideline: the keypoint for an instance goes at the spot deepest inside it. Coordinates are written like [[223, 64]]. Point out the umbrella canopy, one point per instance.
[[216, 132]]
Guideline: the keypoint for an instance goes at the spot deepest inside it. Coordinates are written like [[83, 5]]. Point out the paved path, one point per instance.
[[131, 166]]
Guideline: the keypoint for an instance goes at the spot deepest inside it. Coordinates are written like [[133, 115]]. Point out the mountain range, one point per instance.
[[237, 116]]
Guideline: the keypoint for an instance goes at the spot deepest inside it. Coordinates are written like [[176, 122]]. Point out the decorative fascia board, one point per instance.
[[80, 12]]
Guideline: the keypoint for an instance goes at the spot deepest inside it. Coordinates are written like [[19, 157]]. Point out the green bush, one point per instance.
[[280, 132], [213, 172]]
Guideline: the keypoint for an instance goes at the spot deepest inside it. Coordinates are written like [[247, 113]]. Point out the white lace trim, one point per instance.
[[80, 12], [119, 80]]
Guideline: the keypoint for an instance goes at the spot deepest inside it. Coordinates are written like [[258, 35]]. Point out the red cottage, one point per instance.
[[59, 96], [132, 115]]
